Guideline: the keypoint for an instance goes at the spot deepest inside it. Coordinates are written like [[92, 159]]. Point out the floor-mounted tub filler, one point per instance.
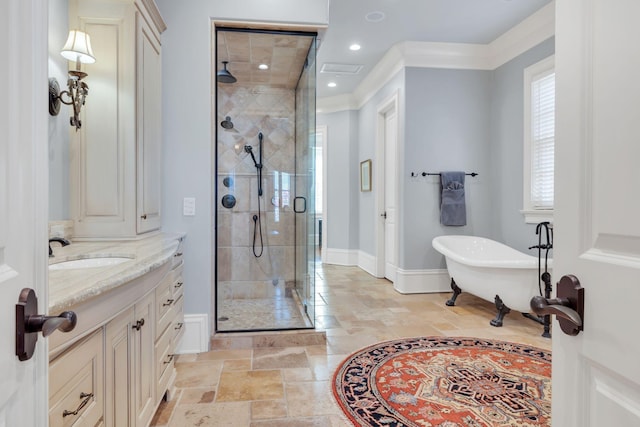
[[490, 270]]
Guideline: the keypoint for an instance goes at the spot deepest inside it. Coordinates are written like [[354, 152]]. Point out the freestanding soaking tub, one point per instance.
[[490, 270]]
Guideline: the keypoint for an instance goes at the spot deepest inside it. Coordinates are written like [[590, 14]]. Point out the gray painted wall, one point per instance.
[[188, 155], [507, 130], [342, 178], [447, 129], [367, 126], [453, 120], [59, 127]]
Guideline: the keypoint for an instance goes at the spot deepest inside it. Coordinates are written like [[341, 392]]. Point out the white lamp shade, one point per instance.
[[78, 48]]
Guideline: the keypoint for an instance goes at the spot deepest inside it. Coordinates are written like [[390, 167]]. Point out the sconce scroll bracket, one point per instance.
[[54, 97]]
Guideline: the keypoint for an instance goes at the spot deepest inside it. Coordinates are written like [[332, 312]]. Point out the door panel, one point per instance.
[[390, 174], [305, 185], [23, 204], [596, 374]]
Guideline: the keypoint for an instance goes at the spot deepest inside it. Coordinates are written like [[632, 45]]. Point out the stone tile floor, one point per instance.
[[286, 385]]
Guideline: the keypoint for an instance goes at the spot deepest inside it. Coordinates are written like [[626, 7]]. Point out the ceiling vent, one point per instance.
[[340, 68]]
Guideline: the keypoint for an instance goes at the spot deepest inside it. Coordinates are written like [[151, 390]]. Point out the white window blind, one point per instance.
[[543, 90]]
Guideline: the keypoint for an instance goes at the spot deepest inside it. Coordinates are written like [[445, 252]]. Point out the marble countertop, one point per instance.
[[69, 287]]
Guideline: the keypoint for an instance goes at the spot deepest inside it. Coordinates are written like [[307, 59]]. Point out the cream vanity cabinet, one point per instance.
[[117, 365], [130, 387], [115, 167], [170, 325]]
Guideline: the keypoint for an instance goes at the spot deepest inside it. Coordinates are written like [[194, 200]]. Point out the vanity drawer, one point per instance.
[[76, 385], [178, 256], [164, 303], [164, 362], [178, 321], [178, 286]]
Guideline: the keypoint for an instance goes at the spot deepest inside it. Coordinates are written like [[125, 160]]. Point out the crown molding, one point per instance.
[[446, 55], [333, 104], [391, 63], [527, 34], [156, 17], [530, 32]]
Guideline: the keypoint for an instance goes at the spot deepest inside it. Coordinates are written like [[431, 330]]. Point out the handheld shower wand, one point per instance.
[[257, 221], [249, 149], [258, 165]]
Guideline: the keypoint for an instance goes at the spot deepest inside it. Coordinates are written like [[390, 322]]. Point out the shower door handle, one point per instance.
[[295, 205]]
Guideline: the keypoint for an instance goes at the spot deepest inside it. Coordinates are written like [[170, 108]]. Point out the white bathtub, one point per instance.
[[486, 268]]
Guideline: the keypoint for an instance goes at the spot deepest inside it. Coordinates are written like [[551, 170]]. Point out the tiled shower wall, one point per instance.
[[255, 109]]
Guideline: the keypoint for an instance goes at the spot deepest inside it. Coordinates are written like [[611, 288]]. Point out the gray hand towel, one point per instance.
[[453, 210]]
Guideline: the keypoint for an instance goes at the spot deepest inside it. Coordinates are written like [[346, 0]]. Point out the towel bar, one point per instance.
[[431, 173]]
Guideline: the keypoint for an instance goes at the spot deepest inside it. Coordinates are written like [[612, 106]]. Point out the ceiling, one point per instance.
[[456, 21], [245, 51]]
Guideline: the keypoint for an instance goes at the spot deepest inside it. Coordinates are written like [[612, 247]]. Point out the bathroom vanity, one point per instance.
[[117, 364]]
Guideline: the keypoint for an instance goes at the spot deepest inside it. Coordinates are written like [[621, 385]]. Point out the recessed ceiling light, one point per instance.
[[355, 46], [332, 84], [375, 16], [263, 66]]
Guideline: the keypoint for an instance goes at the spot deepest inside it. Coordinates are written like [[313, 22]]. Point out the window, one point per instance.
[[539, 141]]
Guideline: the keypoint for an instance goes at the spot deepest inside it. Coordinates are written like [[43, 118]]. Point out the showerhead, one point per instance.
[[227, 123], [224, 76]]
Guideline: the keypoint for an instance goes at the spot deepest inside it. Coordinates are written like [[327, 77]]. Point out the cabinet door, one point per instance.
[[118, 349], [143, 364], [149, 138], [76, 385]]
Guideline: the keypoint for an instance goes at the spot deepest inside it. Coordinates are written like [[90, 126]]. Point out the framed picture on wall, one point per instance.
[[365, 175]]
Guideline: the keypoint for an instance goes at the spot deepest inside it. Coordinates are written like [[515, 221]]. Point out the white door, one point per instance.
[[385, 187], [596, 375], [390, 212], [23, 202]]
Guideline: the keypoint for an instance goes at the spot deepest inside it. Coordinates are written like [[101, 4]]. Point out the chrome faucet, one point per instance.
[[61, 240]]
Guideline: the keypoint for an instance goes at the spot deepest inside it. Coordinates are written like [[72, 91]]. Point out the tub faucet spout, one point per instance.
[[61, 240]]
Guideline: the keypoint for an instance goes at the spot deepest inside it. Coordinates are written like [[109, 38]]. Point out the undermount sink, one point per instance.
[[104, 261]]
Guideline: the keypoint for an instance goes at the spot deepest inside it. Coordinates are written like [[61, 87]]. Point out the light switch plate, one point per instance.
[[189, 206]]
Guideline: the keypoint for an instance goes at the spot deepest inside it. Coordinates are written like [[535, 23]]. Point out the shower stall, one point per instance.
[[265, 146]]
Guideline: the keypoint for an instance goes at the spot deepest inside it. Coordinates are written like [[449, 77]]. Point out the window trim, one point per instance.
[[532, 215]]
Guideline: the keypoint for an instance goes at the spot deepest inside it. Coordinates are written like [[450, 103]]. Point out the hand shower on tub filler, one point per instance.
[[544, 230]]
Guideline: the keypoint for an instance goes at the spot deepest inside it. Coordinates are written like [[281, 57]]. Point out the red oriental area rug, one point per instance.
[[446, 382]]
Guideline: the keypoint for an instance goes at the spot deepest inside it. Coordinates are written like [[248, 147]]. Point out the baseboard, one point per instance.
[[342, 256], [196, 334], [422, 281], [367, 263]]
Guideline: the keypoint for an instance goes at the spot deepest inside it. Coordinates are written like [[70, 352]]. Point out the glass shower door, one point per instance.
[[304, 203]]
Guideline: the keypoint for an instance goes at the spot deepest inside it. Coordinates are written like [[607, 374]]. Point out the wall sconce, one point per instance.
[[78, 49]]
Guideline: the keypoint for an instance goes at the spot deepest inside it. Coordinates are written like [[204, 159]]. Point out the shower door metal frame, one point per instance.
[[218, 28]]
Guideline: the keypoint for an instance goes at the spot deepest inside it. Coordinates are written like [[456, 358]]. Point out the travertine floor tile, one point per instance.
[[284, 379], [309, 399], [280, 358], [250, 385], [268, 409], [229, 414], [197, 395], [295, 422], [198, 374]]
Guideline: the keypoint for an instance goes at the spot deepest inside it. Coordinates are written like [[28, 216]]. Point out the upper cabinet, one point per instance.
[[116, 155]]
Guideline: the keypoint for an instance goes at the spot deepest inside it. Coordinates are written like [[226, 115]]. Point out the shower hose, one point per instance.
[[257, 227]]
